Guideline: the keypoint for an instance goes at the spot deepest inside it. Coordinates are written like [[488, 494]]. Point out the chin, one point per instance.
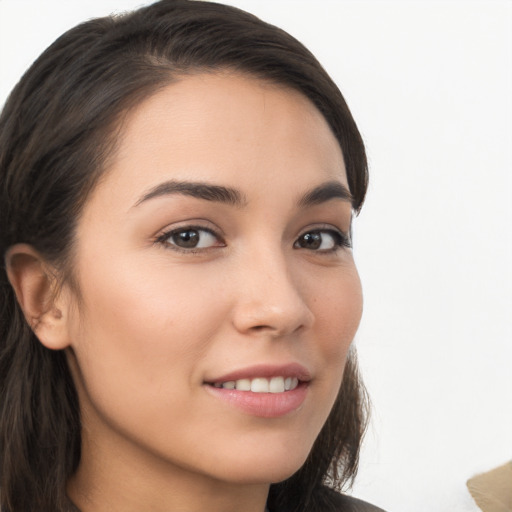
[[263, 470]]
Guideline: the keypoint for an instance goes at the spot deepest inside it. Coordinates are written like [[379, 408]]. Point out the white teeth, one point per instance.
[[261, 384], [243, 385], [276, 385]]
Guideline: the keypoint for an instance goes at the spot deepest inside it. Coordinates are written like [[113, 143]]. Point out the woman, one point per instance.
[[179, 295]]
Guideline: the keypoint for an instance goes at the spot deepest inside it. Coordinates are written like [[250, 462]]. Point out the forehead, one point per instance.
[[226, 128]]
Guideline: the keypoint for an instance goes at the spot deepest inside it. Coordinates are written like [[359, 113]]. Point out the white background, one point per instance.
[[429, 83]]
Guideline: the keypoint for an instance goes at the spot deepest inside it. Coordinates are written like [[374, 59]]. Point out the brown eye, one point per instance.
[[186, 239], [191, 238], [310, 240], [322, 240]]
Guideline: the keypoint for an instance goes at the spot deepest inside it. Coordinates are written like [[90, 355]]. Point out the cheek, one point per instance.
[[338, 309], [157, 304], [337, 305], [142, 332]]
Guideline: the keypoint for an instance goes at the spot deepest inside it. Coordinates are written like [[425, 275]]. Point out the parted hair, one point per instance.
[[57, 130]]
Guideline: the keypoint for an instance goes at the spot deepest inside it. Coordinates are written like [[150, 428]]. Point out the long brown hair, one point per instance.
[[57, 129]]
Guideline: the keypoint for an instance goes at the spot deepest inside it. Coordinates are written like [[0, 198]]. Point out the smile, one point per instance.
[[260, 384]]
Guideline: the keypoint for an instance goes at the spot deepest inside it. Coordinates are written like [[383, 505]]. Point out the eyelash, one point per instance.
[[340, 239]]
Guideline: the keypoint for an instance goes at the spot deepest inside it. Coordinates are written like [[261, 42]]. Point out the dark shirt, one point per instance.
[[350, 504]]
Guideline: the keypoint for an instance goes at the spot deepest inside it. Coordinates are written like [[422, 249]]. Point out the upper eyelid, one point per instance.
[[326, 227], [199, 224]]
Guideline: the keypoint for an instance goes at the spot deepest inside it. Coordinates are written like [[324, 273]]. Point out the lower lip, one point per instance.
[[264, 405]]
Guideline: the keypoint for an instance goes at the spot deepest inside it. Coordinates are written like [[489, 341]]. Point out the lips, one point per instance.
[[263, 390]]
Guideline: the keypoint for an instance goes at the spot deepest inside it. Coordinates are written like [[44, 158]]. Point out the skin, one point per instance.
[[152, 322]]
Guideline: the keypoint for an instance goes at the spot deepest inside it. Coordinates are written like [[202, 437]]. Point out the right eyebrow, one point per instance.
[[200, 190], [325, 192]]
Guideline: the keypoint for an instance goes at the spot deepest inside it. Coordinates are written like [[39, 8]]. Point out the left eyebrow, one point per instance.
[[199, 190], [325, 192]]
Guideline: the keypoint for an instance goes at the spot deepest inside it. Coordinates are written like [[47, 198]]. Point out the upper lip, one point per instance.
[[266, 371]]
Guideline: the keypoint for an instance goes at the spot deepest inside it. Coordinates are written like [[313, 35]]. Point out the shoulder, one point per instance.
[[344, 503]]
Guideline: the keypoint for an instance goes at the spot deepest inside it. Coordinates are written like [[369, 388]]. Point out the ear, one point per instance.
[[35, 285]]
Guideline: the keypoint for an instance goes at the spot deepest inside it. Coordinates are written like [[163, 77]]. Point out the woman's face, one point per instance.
[[214, 255]]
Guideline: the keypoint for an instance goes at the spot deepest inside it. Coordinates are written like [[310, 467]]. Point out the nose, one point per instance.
[[269, 300]]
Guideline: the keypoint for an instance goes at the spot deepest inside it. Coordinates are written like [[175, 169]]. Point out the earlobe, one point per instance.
[[36, 291]]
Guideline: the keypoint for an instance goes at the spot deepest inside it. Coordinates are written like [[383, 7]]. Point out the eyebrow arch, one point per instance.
[[200, 190], [325, 192]]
